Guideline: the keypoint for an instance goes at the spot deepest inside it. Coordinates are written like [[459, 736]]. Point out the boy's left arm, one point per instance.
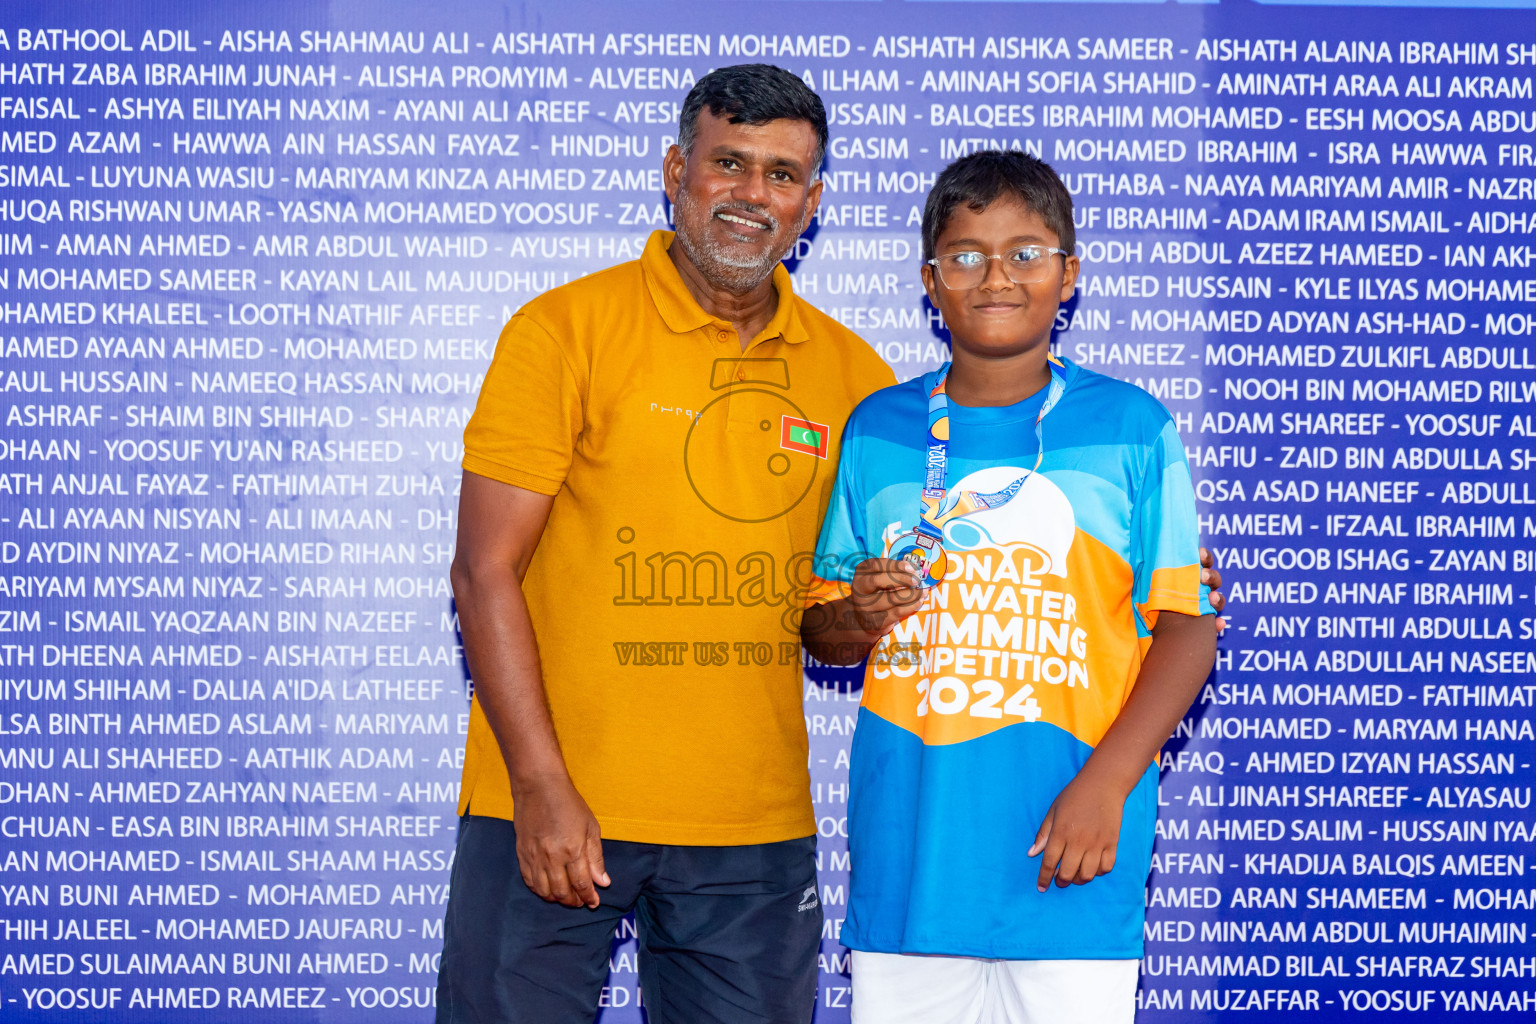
[[1082, 828]]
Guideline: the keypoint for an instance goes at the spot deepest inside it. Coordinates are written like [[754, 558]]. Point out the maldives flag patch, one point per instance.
[[804, 436]]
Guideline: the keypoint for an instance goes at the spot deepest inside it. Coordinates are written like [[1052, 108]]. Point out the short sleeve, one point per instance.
[[842, 545], [530, 413], [1165, 538]]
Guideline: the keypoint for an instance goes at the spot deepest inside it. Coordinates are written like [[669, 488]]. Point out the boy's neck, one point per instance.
[[1006, 380]]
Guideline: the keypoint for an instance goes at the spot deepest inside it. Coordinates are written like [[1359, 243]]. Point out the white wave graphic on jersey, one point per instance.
[[1037, 518]]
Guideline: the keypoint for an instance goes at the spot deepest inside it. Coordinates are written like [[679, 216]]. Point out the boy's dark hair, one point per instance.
[[983, 177], [753, 94]]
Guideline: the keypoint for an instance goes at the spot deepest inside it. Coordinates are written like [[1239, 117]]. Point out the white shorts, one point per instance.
[[893, 988]]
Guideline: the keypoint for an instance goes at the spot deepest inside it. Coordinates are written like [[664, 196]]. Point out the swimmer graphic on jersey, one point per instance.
[[925, 553], [981, 511]]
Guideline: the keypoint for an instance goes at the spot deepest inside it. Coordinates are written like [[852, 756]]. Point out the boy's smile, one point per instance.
[[999, 323]]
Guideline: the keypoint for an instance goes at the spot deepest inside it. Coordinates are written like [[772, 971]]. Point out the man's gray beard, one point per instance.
[[727, 273]]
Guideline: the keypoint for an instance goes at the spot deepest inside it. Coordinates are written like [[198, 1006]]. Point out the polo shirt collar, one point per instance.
[[681, 311]]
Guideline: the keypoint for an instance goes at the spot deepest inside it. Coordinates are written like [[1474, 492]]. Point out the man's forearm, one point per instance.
[[1178, 661], [559, 842], [503, 657]]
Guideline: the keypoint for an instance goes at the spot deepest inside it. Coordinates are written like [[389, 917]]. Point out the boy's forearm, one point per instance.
[[1177, 663], [831, 634]]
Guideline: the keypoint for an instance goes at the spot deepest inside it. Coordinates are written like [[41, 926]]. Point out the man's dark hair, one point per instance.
[[982, 178], [753, 94]]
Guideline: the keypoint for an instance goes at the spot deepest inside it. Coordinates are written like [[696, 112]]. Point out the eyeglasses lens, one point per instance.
[[962, 270]]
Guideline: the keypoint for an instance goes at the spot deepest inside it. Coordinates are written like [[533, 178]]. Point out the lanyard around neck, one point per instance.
[[935, 511]]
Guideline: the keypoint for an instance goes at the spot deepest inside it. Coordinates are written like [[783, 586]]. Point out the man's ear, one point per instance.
[[672, 166], [929, 285], [812, 204]]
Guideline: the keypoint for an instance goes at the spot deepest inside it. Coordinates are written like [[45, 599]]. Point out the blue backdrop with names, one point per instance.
[[253, 261]]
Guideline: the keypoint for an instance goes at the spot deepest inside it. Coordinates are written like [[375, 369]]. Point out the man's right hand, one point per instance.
[[559, 843]]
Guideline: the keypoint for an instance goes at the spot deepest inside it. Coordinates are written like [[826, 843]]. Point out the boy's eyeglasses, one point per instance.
[[1028, 264]]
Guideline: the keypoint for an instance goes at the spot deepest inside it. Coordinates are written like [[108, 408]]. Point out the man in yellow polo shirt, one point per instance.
[[644, 480]]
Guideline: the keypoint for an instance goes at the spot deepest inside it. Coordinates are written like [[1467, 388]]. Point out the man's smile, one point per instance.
[[743, 220]]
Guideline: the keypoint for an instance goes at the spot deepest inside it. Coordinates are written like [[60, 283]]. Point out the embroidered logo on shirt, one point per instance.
[[807, 436], [808, 900]]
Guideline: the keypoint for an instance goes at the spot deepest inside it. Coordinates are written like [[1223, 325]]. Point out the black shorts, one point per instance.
[[726, 934]]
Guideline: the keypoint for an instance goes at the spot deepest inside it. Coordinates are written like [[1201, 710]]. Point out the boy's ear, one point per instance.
[[928, 284], [1070, 269]]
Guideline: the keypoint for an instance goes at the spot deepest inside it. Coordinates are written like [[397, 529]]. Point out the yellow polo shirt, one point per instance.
[[689, 480]]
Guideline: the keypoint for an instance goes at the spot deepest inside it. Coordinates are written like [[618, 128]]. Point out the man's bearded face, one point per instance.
[[745, 194]]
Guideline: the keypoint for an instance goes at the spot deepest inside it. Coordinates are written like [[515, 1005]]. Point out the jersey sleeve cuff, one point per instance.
[[826, 591]]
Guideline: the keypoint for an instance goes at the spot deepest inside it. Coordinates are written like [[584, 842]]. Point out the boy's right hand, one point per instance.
[[884, 591], [1080, 834]]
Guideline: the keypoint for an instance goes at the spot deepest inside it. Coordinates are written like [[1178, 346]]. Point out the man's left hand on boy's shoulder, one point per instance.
[[1211, 577]]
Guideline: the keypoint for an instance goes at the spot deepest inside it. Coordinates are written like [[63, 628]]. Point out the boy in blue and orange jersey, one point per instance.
[[1012, 542]]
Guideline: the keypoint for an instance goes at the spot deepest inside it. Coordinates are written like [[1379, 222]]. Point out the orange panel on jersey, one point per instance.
[[999, 645]]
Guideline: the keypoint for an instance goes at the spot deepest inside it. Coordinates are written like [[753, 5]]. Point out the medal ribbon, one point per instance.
[[934, 514]]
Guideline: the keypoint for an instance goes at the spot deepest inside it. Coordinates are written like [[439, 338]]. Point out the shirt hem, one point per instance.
[[626, 830], [946, 946], [672, 834]]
